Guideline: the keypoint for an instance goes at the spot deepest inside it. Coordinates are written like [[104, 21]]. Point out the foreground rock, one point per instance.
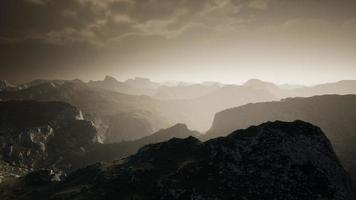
[[334, 114], [36, 135], [280, 160]]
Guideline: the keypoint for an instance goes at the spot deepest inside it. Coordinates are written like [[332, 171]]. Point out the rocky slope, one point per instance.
[[36, 135], [279, 160], [335, 114], [53, 135], [108, 152], [105, 108]]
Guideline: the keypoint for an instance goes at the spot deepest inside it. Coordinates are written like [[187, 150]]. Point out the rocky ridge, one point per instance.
[[275, 160]]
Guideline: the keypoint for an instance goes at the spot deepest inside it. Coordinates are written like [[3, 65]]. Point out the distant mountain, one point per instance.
[[142, 83], [36, 135], [289, 161], [198, 113], [267, 86], [108, 101], [111, 84], [131, 125], [100, 106], [341, 88], [290, 86], [114, 151], [185, 91], [335, 114]]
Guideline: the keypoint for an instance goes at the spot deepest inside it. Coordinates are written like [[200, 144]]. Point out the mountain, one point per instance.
[[4, 86], [198, 113], [279, 160], [114, 151], [111, 84], [36, 135], [267, 86], [335, 114], [142, 83], [341, 88], [184, 91], [54, 135], [105, 108]]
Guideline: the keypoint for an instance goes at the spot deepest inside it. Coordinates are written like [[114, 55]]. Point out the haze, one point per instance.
[[230, 41]]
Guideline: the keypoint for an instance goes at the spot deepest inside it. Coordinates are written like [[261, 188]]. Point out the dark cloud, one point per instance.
[[82, 34]]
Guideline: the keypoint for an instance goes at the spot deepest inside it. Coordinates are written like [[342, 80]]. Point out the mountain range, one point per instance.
[[160, 105]]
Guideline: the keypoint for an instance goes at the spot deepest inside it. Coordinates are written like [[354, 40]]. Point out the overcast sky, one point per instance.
[[285, 41]]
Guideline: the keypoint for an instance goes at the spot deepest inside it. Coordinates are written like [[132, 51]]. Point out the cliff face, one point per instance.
[[279, 160], [37, 135]]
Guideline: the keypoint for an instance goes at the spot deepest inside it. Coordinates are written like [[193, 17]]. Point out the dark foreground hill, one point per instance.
[[279, 160], [334, 114]]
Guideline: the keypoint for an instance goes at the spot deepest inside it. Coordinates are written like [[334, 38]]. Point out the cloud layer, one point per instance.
[[116, 34]]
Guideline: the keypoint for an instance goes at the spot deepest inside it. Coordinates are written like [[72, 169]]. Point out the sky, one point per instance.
[[230, 41]]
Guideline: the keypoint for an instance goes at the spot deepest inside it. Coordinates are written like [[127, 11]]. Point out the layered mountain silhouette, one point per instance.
[[335, 114], [105, 108], [54, 135], [279, 160], [160, 105], [115, 151]]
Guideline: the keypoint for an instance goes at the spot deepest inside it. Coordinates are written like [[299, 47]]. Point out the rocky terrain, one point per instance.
[[54, 135], [279, 160], [335, 114], [36, 135], [106, 109]]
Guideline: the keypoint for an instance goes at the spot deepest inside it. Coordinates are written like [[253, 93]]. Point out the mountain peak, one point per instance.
[[110, 79], [258, 83]]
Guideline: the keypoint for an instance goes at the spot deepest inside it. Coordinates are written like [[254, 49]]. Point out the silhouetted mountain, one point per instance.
[[108, 152], [36, 135], [341, 87], [289, 161], [100, 106], [334, 114]]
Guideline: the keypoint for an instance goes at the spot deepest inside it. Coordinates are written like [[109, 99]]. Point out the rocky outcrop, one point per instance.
[[36, 135], [333, 113], [279, 160]]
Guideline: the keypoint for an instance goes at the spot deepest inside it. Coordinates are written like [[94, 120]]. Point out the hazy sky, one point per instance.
[[295, 41]]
